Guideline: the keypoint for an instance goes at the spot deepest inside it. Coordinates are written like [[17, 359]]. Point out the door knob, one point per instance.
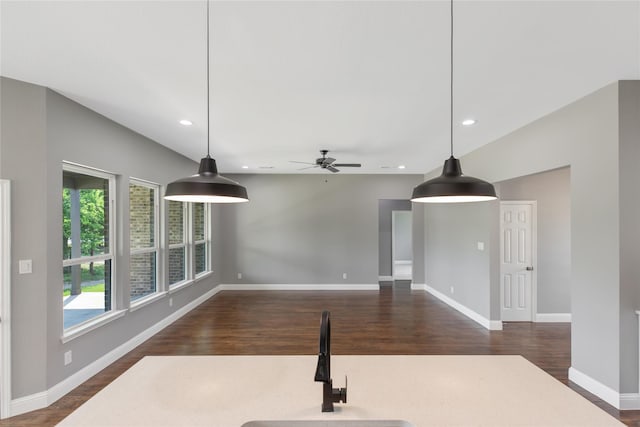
[[529, 268]]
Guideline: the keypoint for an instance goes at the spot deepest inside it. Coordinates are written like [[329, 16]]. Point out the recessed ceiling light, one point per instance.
[[185, 122], [468, 122], [245, 167], [401, 167]]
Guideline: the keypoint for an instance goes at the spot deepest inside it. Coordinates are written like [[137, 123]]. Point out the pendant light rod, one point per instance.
[[451, 80], [208, 114], [452, 186], [207, 186]]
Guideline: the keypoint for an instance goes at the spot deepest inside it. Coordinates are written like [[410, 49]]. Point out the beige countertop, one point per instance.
[[227, 391]]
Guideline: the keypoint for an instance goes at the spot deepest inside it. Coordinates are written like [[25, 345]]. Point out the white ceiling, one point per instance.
[[368, 80]]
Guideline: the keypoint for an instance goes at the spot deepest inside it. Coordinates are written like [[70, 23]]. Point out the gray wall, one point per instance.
[[629, 233], [40, 129], [452, 258], [308, 229], [584, 135], [385, 207], [552, 192]]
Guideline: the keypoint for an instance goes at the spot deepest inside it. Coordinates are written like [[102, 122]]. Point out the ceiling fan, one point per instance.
[[325, 162]]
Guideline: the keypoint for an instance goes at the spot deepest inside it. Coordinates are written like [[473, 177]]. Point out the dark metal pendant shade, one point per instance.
[[207, 186], [453, 187]]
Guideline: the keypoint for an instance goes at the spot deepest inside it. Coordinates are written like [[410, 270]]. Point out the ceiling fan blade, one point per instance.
[[348, 165], [328, 160], [304, 163], [308, 167], [332, 169]]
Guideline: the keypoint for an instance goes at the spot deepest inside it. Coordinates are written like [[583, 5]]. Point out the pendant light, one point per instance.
[[452, 186], [207, 186]]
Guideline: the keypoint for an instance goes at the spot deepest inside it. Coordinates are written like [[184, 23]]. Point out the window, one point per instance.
[[177, 242], [189, 241], [88, 237], [200, 231], [143, 237]]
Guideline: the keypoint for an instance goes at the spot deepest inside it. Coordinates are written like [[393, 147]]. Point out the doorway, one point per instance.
[[387, 210], [518, 249], [401, 245], [5, 298]]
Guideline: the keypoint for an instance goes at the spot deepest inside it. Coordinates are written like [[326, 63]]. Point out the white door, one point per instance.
[[517, 254]]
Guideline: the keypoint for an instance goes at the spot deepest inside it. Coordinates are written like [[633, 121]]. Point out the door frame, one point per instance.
[[5, 298], [534, 253]]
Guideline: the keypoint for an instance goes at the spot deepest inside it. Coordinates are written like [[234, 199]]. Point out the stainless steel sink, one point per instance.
[[329, 423]]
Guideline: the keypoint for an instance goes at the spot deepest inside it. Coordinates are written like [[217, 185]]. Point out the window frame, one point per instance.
[[189, 245], [206, 241], [186, 243], [90, 324], [157, 248]]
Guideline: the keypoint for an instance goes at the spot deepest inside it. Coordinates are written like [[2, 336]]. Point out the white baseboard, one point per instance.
[[621, 401], [385, 278], [553, 317], [28, 403], [46, 398], [492, 325], [298, 287]]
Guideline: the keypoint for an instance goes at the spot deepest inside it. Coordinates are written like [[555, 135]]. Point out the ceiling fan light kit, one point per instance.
[[452, 186], [207, 186]]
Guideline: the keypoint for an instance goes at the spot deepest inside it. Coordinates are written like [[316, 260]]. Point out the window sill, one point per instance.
[[76, 331], [203, 275], [180, 285], [138, 304]]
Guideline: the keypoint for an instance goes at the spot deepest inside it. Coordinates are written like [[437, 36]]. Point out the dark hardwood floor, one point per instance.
[[392, 321]]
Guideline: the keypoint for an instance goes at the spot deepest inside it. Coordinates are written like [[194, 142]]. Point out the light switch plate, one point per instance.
[[25, 266], [481, 246]]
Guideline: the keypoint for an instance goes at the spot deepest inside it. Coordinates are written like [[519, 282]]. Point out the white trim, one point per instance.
[[553, 317], [622, 401], [385, 278], [492, 325], [28, 403], [5, 298], [146, 300], [180, 285], [629, 401], [298, 287], [88, 326], [46, 398], [86, 260]]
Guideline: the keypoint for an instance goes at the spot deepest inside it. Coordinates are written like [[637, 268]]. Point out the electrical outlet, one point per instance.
[[481, 246], [67, 358], [239, 275], [170, 302], [344, 275], [452, 289]]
